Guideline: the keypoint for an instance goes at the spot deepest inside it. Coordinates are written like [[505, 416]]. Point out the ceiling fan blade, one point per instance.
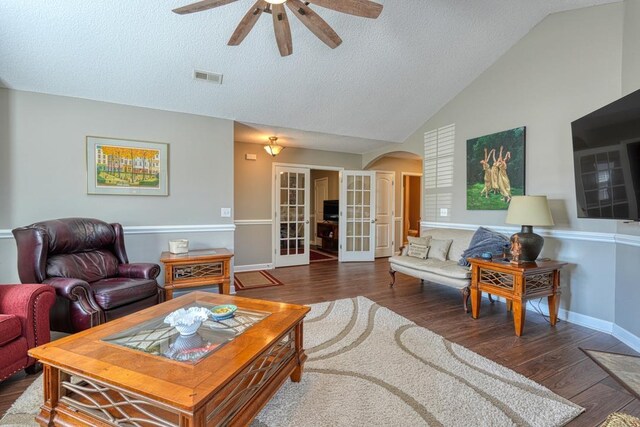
[[364, 8], [282, 29], [247, 23], [200, 6], [315, 23]]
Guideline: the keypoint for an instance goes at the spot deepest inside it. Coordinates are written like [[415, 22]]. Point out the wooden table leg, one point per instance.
[[476, 297], [553, 301], [509, 305], [168, 293], [518, 316], [296, 375], [226, 287]]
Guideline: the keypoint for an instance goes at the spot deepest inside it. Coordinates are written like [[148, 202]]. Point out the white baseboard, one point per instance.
[[626, 337], [252, 267], [570, 316]]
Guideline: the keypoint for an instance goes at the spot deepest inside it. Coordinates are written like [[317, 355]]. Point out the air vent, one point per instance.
[[210, 77]]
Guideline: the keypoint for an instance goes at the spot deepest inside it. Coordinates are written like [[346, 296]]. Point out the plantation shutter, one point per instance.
[[439, 147]]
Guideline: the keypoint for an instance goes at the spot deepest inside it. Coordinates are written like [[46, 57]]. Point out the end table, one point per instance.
[[517, 283], [197, 268]]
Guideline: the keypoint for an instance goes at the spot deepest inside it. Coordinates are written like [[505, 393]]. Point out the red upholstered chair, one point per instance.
[[85, 261], [24, 324]]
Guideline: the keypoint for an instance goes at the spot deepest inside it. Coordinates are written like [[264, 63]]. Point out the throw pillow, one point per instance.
[[439, 249], [418, 251], [418, 247], [484, 240]]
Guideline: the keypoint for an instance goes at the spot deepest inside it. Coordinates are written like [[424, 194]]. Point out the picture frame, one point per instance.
[[496, 169], [127, 167]]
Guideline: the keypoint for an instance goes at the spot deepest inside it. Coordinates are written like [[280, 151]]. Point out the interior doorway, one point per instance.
[[411, 205], [325, 199]]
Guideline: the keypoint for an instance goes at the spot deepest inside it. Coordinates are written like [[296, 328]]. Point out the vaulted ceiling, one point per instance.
[[386, 79]]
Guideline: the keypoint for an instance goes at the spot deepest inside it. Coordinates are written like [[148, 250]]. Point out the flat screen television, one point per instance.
[[606, 160], [331, 208]]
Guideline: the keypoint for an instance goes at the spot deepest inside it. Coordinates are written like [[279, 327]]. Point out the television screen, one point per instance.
[[331, 208], [606, 160]]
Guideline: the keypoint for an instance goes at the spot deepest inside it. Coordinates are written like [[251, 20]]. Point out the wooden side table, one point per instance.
[[517, 283], [197, 268]]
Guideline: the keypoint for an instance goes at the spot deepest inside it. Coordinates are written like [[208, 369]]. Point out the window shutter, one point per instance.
[[439, 145]]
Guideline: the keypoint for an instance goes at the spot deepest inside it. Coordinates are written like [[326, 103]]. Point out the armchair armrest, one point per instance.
[[76, 309], [31, 303], [139, 270]]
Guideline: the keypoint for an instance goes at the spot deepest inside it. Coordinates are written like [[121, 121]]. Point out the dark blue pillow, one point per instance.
[[484, 240]]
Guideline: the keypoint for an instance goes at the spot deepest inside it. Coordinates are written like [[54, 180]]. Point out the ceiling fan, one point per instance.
[[309, 18]]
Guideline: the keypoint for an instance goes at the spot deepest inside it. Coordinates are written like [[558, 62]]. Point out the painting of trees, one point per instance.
[[126, 166]]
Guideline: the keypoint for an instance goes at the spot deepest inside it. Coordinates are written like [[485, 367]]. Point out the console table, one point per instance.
[[197, 268], [328, 232], [517, 283]]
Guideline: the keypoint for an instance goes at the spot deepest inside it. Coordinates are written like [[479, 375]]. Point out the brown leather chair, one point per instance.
[[85, 261]]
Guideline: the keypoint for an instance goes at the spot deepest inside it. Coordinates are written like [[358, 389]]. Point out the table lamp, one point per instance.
[[528, 211]]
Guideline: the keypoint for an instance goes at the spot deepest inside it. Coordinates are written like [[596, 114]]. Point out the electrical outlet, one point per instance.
[[225, 212], [444, 212]]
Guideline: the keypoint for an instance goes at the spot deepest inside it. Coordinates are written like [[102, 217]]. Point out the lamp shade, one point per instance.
[[529, 210], [273, 149]]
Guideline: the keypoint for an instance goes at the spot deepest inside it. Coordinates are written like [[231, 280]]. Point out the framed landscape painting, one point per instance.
[[495, 169], [127, 167]]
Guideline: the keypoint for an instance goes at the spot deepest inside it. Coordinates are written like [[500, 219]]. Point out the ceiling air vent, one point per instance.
[[210, 77]]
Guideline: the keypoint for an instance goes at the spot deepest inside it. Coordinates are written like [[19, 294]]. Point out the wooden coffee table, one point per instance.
[[136, 369]]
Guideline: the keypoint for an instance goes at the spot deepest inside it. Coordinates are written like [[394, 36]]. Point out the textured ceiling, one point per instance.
[[386, 79]]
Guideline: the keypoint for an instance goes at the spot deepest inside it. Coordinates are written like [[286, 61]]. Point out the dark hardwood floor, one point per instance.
[[550, 356]]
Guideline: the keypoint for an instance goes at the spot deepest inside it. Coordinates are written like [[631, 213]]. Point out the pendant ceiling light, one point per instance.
[[273, 148]]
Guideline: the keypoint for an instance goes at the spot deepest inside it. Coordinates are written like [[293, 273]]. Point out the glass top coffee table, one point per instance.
[[137, 370]]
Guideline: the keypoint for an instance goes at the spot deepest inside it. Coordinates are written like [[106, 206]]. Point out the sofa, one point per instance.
[[85, 260], [24, 324], [444, 272]]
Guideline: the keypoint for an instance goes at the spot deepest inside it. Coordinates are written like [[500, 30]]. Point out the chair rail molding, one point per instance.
[[267, 221], [158, 229], [590, 236]]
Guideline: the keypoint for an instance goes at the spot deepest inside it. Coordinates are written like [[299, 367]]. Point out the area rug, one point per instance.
[[317, 256], [624, 368], [254, 280], [370, 366]]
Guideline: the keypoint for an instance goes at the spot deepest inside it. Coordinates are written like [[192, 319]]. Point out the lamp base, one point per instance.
[[530, 244]]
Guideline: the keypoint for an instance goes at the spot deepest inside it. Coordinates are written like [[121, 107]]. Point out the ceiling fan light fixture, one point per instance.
[[273, 149], [276, 1]]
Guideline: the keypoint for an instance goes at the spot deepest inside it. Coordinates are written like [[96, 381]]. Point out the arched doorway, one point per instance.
[[398, 199]]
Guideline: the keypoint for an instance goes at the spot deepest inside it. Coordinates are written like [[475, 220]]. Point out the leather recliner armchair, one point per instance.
[[85, 261]]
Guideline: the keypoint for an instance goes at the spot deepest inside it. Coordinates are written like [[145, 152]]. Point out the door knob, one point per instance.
[[306, 222]]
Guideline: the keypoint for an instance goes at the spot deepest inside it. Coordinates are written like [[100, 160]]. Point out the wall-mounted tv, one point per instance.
[[331, 208], [606, 160]]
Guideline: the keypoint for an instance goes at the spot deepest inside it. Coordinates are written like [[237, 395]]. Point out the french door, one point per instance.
[[357, 215], [291, 216]]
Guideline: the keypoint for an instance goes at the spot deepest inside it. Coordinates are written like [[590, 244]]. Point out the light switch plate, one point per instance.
[[225, 212], [444, 212]]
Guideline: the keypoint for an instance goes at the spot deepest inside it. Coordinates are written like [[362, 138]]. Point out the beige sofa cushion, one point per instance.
[[461, 240], [447, 268]]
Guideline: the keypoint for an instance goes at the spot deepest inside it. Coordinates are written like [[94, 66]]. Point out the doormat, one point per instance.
[[254, 280], [623, 368], [315, 256]]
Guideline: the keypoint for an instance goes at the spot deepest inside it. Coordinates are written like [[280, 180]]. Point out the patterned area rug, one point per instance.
[[317, 256], [624, 368], [370, 366], [255, 279]]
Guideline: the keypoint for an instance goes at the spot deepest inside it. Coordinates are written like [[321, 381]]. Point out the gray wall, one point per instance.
[[253, 193], [43, 171], [567, 66], [627, 281]]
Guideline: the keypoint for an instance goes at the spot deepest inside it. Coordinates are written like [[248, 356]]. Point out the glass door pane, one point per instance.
[[357, 203], [292, 216]]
